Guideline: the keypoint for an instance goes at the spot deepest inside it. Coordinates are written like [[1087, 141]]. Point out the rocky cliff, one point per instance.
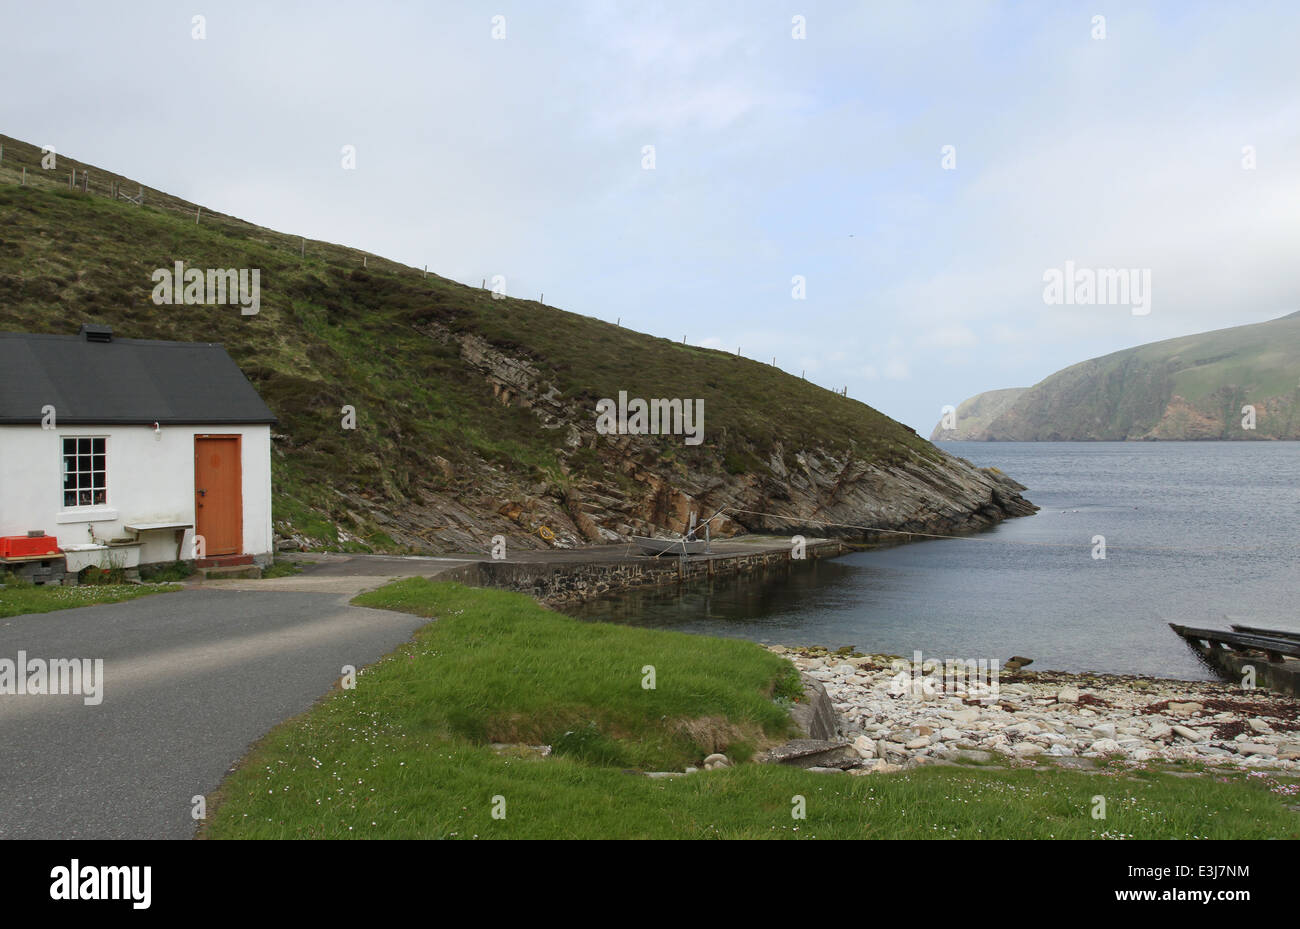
[[628, 486]]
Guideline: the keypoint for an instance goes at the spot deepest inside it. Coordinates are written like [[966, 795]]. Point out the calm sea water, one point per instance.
[[1199, 533]]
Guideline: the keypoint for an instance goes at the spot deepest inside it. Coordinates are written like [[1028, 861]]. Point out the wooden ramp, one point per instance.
[[1274, 633], [1275, 646]]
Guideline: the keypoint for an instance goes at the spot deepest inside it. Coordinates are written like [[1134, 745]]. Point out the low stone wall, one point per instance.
[[574, 582]]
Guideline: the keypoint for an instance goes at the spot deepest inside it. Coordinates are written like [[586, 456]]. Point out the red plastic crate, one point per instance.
[[21, 546]]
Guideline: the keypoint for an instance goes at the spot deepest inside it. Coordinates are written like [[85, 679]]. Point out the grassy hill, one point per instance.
[[474, 415], [975, 415], [1193, 387]]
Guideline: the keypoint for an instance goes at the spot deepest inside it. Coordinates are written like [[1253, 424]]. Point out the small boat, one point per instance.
[[670, 546]]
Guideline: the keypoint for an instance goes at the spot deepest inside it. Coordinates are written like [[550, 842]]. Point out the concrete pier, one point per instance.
[[581, 574]]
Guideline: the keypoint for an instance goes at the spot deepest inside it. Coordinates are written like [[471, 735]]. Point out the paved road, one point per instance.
[[191, 679]]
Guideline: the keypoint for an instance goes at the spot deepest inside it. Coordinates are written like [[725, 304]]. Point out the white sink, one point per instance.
[[86, 554]]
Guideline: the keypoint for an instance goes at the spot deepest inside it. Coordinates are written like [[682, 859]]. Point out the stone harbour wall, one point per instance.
[[557, 583]]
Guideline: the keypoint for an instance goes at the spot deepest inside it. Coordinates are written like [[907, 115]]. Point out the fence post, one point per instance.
[[24, 184], [303, 250]]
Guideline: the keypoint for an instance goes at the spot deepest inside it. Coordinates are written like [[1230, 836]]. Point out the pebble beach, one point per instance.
[[1027, 717]]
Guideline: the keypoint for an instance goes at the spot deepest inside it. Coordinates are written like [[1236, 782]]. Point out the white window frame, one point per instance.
[[78, 507]]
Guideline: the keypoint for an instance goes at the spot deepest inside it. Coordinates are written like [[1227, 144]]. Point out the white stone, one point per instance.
[[865, 747], [1249, 748]]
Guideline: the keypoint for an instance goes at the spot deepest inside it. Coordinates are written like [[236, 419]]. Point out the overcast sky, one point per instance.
[[773, 157]]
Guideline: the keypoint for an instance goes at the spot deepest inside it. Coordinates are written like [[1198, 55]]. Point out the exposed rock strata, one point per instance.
[[826, 493]]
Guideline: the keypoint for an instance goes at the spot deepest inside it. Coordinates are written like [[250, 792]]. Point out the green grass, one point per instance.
[[16, 600], [407, 753], [503, 669]]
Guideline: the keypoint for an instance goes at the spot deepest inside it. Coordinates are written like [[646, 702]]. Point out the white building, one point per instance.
[[104, 439]]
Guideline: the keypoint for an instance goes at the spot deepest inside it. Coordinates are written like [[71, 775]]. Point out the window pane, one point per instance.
[[85, 470]]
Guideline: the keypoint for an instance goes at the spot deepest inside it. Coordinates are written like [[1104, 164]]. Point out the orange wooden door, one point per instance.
[[218, 500]]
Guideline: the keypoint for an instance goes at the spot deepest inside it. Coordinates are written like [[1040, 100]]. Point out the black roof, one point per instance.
[[123, 381]]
